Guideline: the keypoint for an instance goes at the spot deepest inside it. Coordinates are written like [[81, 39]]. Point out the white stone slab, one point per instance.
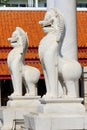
[[54, 122], [57, 114], [16, 108], [85, 121], [24, 101], [65, 105], [6, 116], [61, 100]]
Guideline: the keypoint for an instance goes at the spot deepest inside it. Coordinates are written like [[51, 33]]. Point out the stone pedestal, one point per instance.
[[57, 114], [22, 101], [16, 108], [61, 106]]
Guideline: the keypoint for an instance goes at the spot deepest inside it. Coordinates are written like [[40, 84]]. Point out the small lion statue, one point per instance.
[[21, 73], [59, 71]]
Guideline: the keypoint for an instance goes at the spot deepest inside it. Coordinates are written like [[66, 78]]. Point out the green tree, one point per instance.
[[4, 1]]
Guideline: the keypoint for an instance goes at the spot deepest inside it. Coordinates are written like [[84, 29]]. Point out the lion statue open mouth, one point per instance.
[[21, 73]]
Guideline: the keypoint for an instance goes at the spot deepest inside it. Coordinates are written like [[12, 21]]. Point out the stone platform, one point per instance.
[[57, 114], [16, 108]]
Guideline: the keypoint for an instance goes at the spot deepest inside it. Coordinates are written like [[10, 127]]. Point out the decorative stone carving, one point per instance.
[[19, 71], [58, 69]]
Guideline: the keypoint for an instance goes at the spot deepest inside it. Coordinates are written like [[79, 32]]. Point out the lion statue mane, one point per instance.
[[20, 72]]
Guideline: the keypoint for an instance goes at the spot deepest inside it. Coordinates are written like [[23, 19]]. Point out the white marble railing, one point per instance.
[[81, 9], [24, 8], [34, 8]]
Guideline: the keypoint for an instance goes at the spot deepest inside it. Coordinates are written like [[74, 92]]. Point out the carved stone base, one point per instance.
[[54, 122], [16, 108], [22, 101], [8, 116], [57, 114], [62, 106]]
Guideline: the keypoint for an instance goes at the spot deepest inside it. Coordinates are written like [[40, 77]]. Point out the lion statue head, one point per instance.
[[19, 38], [53, 22]]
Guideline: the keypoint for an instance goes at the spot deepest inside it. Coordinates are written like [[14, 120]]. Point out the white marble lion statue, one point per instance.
[[58, 69], [21, 73]]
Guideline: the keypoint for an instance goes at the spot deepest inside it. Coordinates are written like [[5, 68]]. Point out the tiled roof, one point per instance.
[[82, 37], [28, 20], [82, 28]]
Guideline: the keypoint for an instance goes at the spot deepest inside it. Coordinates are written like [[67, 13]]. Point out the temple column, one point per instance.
[[68, 10], [36, 3], [50, 4], [30, 3]]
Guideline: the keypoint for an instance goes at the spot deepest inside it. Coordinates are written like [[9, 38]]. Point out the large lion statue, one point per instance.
[[21, 73], [58, 69]]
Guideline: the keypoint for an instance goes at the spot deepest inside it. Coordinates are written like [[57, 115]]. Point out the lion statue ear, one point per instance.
[[18, 28], [21, 30], [55, 11]]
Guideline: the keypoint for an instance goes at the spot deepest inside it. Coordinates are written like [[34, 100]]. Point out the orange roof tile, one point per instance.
[[28, 20], [82, 37], [82, 28]]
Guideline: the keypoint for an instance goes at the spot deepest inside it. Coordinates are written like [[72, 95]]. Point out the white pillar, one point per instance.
[[30, 3], [36, 3], [69, 48], [50, 4], [68, 10]]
